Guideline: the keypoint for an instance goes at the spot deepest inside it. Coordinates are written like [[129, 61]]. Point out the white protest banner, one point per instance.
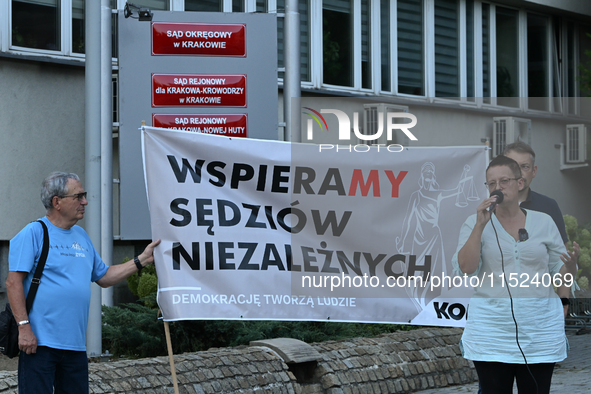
[[255, 229]]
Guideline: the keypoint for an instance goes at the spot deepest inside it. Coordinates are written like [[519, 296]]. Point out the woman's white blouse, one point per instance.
[[529, 269]]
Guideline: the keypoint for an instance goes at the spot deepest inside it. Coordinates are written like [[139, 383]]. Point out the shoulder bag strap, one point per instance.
[[39, 270]]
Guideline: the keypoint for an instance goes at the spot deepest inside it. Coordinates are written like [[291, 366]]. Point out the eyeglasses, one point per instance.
[[79, 196], [525, 167], [502, 183]]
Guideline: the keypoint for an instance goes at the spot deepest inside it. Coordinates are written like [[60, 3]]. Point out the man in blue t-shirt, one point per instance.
[[52, 336]]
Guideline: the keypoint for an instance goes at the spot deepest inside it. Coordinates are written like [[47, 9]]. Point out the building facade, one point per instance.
[[473, 72]]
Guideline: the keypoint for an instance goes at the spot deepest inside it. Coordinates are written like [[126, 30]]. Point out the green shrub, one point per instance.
[[133, 330], [582, 236], [585, 74], [144, 285], [147, 285]]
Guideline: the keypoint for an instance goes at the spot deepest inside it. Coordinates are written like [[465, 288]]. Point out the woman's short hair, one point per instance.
[[501, 160], [56, 184]]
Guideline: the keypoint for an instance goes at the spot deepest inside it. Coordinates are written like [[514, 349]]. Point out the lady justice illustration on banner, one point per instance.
[[421, 235]]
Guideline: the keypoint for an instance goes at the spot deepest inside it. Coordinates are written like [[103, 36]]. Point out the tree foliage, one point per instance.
[[585, 73], [581, 235]]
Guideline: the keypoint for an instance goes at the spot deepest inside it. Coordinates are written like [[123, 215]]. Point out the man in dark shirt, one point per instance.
[[525, 156], [539, 202]]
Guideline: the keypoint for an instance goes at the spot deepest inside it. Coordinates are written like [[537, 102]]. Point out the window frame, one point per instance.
[[65, 13], [558, 74], [71, 27], [356, 52], [550, 62], [429, 4], [566, 108]]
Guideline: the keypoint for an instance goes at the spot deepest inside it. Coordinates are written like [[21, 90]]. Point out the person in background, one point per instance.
[[525, 156]]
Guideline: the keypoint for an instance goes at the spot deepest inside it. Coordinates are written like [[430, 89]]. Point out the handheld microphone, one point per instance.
[[499, 200]]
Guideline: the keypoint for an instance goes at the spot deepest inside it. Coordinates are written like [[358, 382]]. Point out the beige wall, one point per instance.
[[451, 125], [42, 130]]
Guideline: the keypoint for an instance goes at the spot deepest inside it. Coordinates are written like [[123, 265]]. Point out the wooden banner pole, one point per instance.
[[170, 357]]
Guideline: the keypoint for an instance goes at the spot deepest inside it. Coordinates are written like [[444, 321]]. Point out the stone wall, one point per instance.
[[400, 362]]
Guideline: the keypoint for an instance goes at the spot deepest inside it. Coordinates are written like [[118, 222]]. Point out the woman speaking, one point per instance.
[[515, 325]]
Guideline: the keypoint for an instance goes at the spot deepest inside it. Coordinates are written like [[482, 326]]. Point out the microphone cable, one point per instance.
[[511, 299]]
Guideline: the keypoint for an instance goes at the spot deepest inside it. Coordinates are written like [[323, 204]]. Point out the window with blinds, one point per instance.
[[261, 6], [538, 65], [385, 45], [36, 24], [486, 52], [337, 42], [78, 28], [237, 6], [204, 5], [78, 32], [366, 44], [161, 5], [507, 55], [470, 49], [570, 68], [304, 10], [446, 49], [410, 47]]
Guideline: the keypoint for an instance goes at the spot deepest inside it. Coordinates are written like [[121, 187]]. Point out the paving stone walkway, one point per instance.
[[571, 376]]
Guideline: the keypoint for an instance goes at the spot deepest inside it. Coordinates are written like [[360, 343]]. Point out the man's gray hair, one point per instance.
[[521, 147], [56, 184]]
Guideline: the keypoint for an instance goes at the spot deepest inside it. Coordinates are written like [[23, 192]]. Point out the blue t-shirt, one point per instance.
[[59, 315]]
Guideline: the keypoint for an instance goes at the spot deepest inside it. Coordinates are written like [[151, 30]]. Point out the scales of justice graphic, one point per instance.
[[421, 235], [466, 189]]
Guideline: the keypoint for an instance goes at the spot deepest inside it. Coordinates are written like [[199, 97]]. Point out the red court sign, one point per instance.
[[231, 125], [207, 39], [198, 90]]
